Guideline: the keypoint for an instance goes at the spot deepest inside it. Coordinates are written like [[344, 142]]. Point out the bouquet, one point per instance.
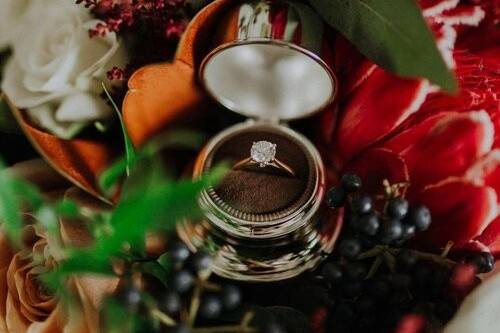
[[108, 93]]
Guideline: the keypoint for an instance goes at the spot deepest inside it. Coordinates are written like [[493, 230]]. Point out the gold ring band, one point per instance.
[[263, 154]]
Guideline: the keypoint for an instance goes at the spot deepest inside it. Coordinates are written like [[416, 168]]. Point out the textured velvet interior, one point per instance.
[[263, 190]]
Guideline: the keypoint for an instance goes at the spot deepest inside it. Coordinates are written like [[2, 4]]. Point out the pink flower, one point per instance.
[[447, 147]]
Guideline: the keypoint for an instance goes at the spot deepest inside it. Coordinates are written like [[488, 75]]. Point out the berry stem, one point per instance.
[[373, 252], [243, 327], [388, 254], [210, 286], [438, 259], [389, 260], [447, 249], [195, 304], [163, 318], [225, 329], [247, 318], [373, 269]]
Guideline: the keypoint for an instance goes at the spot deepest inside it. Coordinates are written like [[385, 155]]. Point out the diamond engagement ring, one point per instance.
[[263, 154]]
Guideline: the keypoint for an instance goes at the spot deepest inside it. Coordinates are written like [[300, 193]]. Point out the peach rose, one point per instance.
[[25, 305]]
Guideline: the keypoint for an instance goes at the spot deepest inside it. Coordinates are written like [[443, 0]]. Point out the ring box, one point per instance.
[[270, 64]]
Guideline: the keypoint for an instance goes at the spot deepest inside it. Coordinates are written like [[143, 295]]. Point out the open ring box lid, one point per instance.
[[268, 63]]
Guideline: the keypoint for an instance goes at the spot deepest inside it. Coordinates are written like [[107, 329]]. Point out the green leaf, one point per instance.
[[129, 147], [184, 139], [110, 177], [180, 138], [67, 208], [119, 319], [28, 193], [165, 261], [155, 269], [392, 34], [83, 261], [10, 206], [158, 205]]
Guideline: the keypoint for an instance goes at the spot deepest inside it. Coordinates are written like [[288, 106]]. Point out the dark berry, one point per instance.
[[409, 230], [366, 304], [272, 327], [484, 262], [390, 231], [231, 297], [171, 303], [361, 204], [440, 280], [400, 299], [210, 307], [397, 208], [130, 296], [368, 224], [351, 182], [400, 281], [379, 289], [332, 272], [182, 281], [367, 322], [344, 311], [201, 261], [179, 252], [423, 275], [445, 311], [406, 259], [420, 217], [335, 197], [349, 248], [356, 271], [352, 289], [179, 329]]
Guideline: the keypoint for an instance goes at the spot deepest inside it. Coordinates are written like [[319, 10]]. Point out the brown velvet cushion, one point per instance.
[[263, 190]]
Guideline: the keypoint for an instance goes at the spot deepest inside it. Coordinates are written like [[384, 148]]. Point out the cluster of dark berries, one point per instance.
[[397, 222], [188, 279], [374, 281]]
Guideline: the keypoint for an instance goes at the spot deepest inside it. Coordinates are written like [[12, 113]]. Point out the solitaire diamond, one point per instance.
[[263, 152]]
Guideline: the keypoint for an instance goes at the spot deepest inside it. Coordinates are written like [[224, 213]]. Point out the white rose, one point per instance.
[[11, 14], [56, 70]]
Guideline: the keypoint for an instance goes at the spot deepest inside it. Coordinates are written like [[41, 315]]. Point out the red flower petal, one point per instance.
[[351, 66], [491, 237], [375, 165], [486, 171], [474, 246], [373, 110], [461, 15], [479, 80], [440, 148], [360, 75], [446, 37], [434, 7], [461, 211], [486, 36], [415, 129]]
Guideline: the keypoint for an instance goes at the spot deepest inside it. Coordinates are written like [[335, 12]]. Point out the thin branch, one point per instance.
[[162, 317]]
